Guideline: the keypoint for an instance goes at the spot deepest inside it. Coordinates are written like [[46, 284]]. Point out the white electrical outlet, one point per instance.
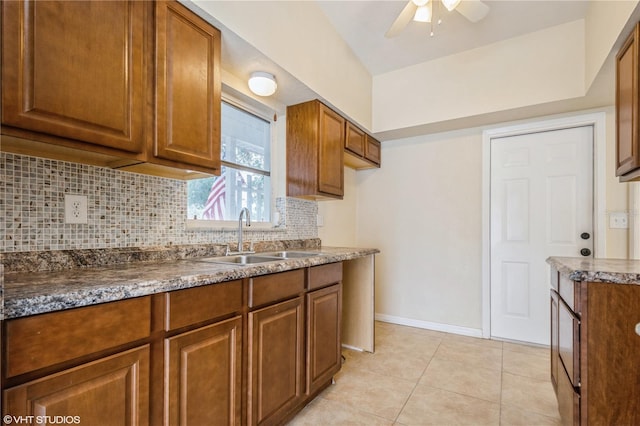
[[619, 220], [75, 208], [319, 220]]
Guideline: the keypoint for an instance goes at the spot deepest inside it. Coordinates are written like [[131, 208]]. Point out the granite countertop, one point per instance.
[[29, 293], [615, 271]]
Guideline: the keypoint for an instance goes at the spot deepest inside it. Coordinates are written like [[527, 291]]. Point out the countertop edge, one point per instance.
[[614, 271], [111, 290]]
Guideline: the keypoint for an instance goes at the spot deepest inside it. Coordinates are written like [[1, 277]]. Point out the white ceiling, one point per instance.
[[362, 24]]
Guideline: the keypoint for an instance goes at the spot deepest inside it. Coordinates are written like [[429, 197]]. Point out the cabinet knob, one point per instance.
[[585, 252], [585, 235], [638, 329]]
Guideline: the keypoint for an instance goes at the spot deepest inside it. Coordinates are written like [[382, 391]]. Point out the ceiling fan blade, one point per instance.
[[402, 20], [473, 10]]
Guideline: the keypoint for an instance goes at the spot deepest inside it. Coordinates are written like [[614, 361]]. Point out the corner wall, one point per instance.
[[425, 216]]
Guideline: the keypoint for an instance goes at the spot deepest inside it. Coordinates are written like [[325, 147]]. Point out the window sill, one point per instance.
[[231, 225]]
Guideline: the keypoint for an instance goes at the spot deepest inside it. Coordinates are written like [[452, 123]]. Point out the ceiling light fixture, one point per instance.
[[262, 83], [450, 4], [423, 13]]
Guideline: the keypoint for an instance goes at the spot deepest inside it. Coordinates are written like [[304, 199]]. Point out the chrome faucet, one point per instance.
[[247, 214]]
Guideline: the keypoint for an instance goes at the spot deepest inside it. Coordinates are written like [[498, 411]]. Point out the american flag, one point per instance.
[[214, 209]]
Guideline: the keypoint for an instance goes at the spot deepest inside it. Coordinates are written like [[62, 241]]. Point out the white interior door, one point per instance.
[[541, 206]]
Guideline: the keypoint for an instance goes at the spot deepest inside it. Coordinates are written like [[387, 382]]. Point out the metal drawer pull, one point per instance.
[[638, 329]]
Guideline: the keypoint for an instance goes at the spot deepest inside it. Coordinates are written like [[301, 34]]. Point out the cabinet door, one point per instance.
[[324, 314], [330, 151], [372, 150], [354, 139], [555, 354], [75, 69], [204, 376], [188, 87], [276, 346], [110, 391], [628, 157]]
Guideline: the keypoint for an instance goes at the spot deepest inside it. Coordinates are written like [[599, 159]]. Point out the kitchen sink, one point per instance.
[[292, 254], [241, 259], [251, 259]]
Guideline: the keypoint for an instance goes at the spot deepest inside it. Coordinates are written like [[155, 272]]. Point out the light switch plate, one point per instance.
[[75, 208], [618, 220]]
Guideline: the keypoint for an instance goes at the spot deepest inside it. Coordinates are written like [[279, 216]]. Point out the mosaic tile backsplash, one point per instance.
[[124, 209]]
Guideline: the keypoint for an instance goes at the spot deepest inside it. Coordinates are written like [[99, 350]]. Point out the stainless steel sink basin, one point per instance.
[[292, 254], [241, 259], [250, 259]]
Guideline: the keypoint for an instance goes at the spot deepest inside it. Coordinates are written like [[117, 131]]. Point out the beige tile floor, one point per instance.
[[423, 377]]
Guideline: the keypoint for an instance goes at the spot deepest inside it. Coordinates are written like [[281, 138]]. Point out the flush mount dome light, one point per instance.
[[262, 83]]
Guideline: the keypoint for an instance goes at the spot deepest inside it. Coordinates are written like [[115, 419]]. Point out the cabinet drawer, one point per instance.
[[198, 304], [570, 293], [569, 342], [324, 275], [48, 339], [271, 288]]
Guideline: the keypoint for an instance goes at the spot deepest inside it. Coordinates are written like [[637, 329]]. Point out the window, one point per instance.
[[245, 180]]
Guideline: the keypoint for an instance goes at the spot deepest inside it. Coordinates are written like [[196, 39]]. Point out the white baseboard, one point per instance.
[[436, 326]]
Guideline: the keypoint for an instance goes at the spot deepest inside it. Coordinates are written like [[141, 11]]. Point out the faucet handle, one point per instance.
[[226, 251]]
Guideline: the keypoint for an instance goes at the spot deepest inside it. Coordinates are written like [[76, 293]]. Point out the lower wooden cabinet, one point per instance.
[[594, 348], [276, 363], [110, 391], [204, 375], [324, 357], [251, 351]]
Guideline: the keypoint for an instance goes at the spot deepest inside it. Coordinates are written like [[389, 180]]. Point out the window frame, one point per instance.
[[265, 113]]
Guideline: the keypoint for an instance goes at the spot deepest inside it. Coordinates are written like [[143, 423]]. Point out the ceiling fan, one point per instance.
[[422, 11]]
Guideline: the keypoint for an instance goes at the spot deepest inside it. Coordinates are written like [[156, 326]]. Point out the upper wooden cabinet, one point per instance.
[[361, 150], [315, 144], [320, 142], [355, 139], [133, 85], [76, 70], [187, 87], [627, 109]]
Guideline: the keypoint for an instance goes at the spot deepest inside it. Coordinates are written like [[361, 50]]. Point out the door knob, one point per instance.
[[585, 236], [585, 252]]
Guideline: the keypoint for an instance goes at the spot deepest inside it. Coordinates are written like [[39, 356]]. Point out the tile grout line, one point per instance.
[[417, 383]]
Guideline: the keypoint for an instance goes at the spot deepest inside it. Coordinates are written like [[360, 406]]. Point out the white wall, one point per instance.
[[298, 37], [532, 69], [341, 216], [423, 210]]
